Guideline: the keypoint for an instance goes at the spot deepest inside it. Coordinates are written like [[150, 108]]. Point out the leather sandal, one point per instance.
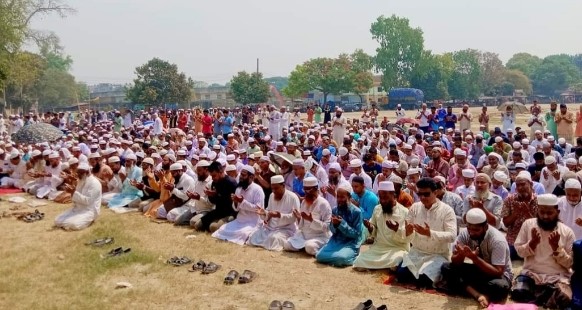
[[247, 276], [200, 265], [231, 277], [210, 268], [287, 305], [275, 305]]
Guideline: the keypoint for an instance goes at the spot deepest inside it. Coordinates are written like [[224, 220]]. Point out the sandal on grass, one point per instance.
[[287, 305], [101, 242], [118, 251], [247, 276], [178, 261], [210, 268], [231, 277], [200, 265], [275, 305]]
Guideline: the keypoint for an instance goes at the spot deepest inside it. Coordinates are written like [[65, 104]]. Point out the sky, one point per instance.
[[213, 40]]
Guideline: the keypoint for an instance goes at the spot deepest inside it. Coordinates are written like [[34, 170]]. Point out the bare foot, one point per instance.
[[483, 301]]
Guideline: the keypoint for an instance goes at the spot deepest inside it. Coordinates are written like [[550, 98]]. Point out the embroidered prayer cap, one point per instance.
[[175, 166], [547, 200], [460, 152], [500, 176], [131, 156], [309, 182], [572, 184], [355, 163], [475, 216], [523, 175], [249, 169], [148, 161], [468, 173], [386, 186], [335, 166], [549, 160], [230, 168], [113, 159], [277, 179]]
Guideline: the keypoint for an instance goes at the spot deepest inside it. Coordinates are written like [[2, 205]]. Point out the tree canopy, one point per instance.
[[249, 88]]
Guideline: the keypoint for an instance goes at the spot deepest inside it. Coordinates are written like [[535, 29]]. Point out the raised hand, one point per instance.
[[535, 239], [393, 225], [368, 225], [579, 221], [307, 216], [409, 228], [554, 240], [296, 214], [422, 230]]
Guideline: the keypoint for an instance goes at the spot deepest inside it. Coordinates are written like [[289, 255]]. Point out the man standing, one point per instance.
[[279, 223], [431, 227], [550, 119], [450, 118], [546, 247], [339, 127], [314, 218], [465, 119], [564, 121], [86, 198], [484, 119], [346, 228], [158, 125], [488, 277], [387, 227], [274, 123]]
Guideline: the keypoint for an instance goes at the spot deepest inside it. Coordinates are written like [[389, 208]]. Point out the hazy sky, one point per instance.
[[213, 40]]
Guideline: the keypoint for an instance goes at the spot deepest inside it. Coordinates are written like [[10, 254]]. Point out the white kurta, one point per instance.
[[198, 207], [86, 204], [274, 125], [247, 219], [276, 231], [332, 199], [389, 246], [49, 184], [569, 214], [184, 185], [550, 182], [16, 178], [315, 234], [429, 253], [339, 130]]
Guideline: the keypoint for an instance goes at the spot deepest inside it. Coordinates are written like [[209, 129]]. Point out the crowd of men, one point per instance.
[[439, 205]]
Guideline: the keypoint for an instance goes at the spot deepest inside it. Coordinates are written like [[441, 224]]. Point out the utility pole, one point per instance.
[[257, 67]]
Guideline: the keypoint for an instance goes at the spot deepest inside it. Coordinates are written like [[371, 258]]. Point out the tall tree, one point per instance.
[[56, 88], [249, 88], [524, 62], [518, 80], [555, 74], [279, 82], [159, 82], [400, 49], [361, 65], [492, 70], [21, 85], [298, 84], [432, 75], [465, 82]]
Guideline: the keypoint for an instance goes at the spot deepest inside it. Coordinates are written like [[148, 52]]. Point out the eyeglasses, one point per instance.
[[423, 194]]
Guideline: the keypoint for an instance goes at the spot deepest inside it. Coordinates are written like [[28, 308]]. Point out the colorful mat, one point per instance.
[[391, 280], [6, 191]]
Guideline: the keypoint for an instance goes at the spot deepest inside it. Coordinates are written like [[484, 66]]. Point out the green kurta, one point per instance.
[[551, 124], [317, 114]]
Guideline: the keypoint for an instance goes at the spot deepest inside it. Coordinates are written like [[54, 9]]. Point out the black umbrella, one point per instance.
[[37, 133]]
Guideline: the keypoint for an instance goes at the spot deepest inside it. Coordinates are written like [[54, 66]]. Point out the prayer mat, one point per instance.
[[7, 191]]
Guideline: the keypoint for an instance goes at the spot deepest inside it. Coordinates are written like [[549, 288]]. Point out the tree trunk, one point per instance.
[[325, 98]]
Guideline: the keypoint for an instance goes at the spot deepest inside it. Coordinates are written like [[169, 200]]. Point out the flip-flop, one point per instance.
[[200, 265], [247, 276], [231, 277], [211, 268], [382, 307], [368, 304], [101, 242], [275, 305], [178, 261], [115, 252], [287, 305]]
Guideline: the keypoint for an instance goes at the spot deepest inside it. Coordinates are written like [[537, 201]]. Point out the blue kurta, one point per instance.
[[344, 245], [128, 192], [298, 185], [367, 203]]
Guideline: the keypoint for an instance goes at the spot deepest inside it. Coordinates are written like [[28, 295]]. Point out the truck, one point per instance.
[[408, 98]]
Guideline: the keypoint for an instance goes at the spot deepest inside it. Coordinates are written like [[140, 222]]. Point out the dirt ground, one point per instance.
[[43, 268]]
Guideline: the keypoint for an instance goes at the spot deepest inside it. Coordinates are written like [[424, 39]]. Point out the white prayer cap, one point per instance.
[[343, 151], [407, 147], [155, 155], [113, 159], [498, 139], [230, 168], [264, 158], [355, 163], [298, 162], [230, 157], [188, 142], [516, 145], [13, 155], [94, 155], [396, 179], [476, 216], [547, 200], [412, 172], [520, 166], [76, 148], [84, 166], [148, 160], [175, 166], [561, 141], [549, 160], [307, 153], [35, 153], [346, 187], [325, 152], [572, 184], [277, 179], [73, 161], [551, 138], [460, 152], [249, 169], [195, 157], [335, 166], [131, 156], [279, 143], [65, 166], [309, 182], [46, 152], [267, 137], [216, 147], [140, 154], [181, 153], [222, 162], [242, 151], [183, 163], [440, 179], [525, 141], [468, 173], [203, 163], [386, 186], [523, 175], [54, 155], [388, 164], [500, 176], [571, 161], [201, 140]]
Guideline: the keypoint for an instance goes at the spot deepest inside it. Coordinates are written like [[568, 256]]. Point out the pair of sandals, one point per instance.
[[246, 277], [178, 261], [369, 305], [277, 305], [101, 242], [33, 217], [205, 268], [118, 251]]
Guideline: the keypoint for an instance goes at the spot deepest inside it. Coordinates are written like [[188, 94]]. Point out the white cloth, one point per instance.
[[247, 219], [367, 179], [508, 122], [274, 125], [332, 199], [550, 182], [315, 234], [569, 214], [86, 204], [184, 185], [194, 206], [158, 126], [276, 231], [339, 130]]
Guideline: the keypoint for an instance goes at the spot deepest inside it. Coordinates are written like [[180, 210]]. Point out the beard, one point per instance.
[[387, 208], [166, 167], [481, 194], [547, 225], [334, 180], [573, 203], [202, 178], [343, 205], [244, 183], [82, 180], [97, 167]]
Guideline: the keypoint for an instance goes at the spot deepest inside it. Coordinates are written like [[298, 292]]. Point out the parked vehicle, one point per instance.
[[408, 98]]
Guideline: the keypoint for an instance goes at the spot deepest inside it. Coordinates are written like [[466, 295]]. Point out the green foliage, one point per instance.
[[249, 88], [525, 63], [56, 88], [159, 82], [360, 69], [555, 74], [432, 75], [297, 85], [279, 82], [399, 52], [55, 58], [82, 91], [492, 70], [22, 81], [466, 77], [518, 80]]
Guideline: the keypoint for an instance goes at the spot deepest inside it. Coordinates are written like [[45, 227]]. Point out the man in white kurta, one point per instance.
[[387, 227], [313, 219], [278, 221], [16, 171], [274, 123], [339, 127], [158, 125], [552, 174], [51, 178], [432, 228], [570, 207], [248, 199], [86, 201]]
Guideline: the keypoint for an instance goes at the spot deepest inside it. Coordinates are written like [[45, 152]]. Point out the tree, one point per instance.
[[279, 82], [432, 75], [466, 77], [82, 91], [525, 63], [400, 49], [298, 85], [56, 88], [518, 80], [249, 88], [492, 70], [555, 74], [25, 72], [159, 82], [362, 78]]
